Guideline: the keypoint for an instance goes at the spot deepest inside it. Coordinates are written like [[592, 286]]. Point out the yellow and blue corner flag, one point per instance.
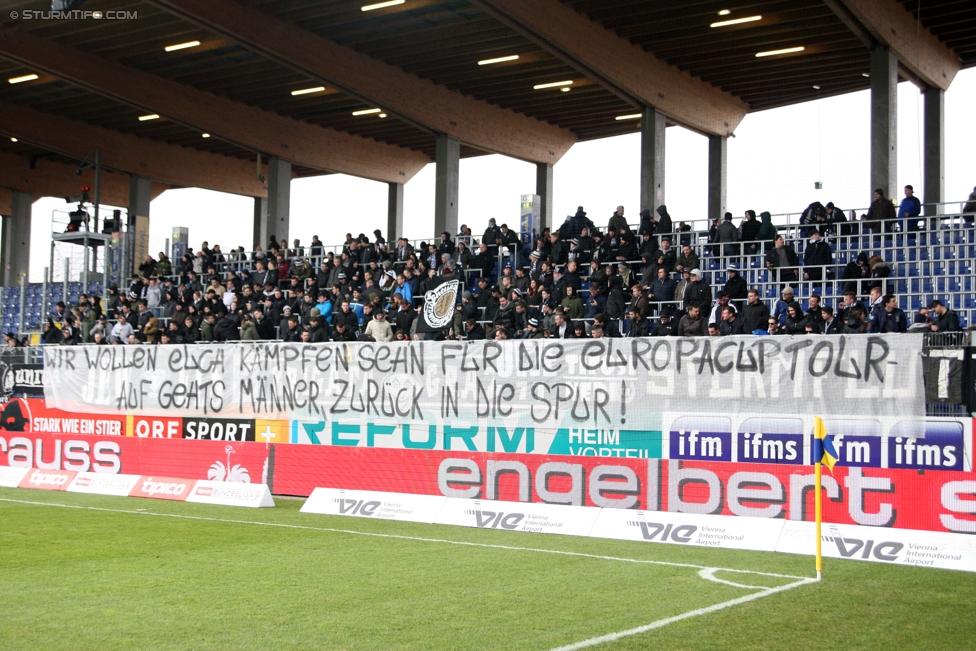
[[823, 446]]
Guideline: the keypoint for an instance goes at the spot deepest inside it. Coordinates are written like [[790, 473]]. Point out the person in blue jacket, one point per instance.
[[909, 208]]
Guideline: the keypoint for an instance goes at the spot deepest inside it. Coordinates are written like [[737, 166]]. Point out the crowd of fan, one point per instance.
[[577, 281]]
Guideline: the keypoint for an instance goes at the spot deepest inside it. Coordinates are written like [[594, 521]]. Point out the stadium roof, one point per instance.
[[389, 79]]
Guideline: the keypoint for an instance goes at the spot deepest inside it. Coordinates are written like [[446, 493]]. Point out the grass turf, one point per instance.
[[85, 578]]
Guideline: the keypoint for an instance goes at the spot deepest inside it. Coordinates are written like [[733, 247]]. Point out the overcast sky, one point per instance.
[[773, 162]]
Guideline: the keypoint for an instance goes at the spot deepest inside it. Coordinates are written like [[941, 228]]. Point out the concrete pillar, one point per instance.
[[260, 223], [717, 175], [884, 120], [279, 199], [543, 188], [934, 149], [652, 159], [394, 214], [15, 253], [446, 185], [140, 194]]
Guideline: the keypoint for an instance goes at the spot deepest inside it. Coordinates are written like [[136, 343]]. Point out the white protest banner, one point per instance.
[[374, 504], [725, 532], [520, 390]]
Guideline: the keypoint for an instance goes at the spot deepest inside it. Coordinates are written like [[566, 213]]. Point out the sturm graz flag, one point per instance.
[[437, 314]]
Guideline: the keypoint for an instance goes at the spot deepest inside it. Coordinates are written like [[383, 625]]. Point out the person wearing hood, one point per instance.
[[835, 216], [855, 271], [663, 226], [577, 223], [749, 233], [647, 225], [881, 214], [767, 231], [446, 245], [969, 210], [814, 217]]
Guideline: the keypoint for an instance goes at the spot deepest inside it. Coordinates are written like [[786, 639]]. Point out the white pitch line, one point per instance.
[[611, 637], [413, 538]]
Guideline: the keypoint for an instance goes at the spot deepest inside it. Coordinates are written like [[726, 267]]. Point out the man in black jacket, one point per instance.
[[755, 313], [831, 326], [666, 326], [731, 324], [290, 332], [317, 330], [816, 255], [736, 287], [698, 292], [226, 328], [264, 326], [946, 320], [663, 228], [492, 233]]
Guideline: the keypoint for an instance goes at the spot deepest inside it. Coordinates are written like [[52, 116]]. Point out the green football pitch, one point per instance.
[[89, 572]]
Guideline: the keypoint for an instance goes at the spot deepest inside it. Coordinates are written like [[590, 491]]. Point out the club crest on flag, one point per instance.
[[438, 311]]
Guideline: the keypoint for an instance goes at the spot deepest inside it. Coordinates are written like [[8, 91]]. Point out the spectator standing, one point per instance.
[[664, 226], [970, 208], [767, 231], [880, 212], [617, 222], [816, 256], [749, 233], [910, 207], [727, 234], [736, 287], [782, 259]]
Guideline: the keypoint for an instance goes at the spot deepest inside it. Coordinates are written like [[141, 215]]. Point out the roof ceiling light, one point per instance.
[[381, 115], [307, 91], [724, 12], [367, 111], [382, 5], [736, 21], [864, 74], [181, 46], [146, 118], [553, 84], [566, 90], [787, 50], [22, 79], [12, 139], [204, 135], [816, 87], [488, 62], [631, 116]]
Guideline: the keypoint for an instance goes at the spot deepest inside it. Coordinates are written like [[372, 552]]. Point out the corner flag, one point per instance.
[[823, 453], [823, 446]]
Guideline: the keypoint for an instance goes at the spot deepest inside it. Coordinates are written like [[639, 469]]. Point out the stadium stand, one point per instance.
[[916, 260]]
